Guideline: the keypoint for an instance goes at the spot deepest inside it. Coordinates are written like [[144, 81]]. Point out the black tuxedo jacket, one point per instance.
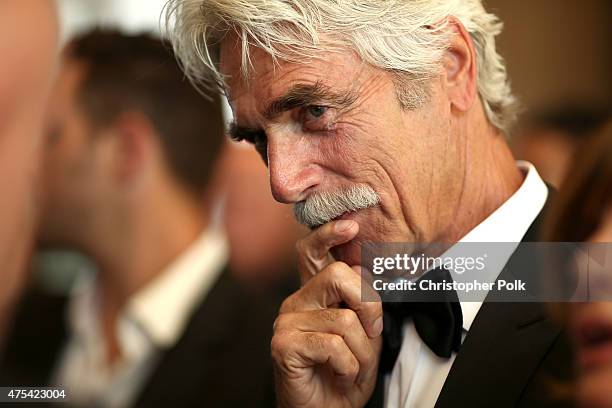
[[221, 360], [513, 356]]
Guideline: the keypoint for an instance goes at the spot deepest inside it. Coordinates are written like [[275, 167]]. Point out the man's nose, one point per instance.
[[292, 171]]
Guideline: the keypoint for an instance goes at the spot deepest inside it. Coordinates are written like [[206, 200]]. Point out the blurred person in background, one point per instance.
[[551, 138], [583, 213], [261, 232], [28, 46], [130, 151]]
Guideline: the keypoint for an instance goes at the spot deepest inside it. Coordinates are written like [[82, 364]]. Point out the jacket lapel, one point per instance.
[[504, 347], [223, 357], [197, 357]]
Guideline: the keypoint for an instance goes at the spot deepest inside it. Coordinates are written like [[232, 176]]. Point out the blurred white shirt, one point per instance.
[[419, 375], [152, 321]]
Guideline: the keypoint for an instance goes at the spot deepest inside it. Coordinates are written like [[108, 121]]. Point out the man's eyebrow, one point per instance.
[[239, 133], [306, 94]]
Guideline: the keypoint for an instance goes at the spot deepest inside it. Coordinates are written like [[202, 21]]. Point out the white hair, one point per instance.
[[320, 208], [405, 37]]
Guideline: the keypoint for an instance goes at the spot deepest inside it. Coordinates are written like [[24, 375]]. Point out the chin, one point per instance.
[[592, 330], [592, 327]]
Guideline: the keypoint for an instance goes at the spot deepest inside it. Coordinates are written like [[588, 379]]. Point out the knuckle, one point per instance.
[[279, 345], [336, 271], [288, 304], [335, 342], [347, 318], [280, 323], [342, 319]]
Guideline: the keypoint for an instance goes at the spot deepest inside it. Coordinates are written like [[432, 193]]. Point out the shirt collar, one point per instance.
[[508, 223], [163, 307]]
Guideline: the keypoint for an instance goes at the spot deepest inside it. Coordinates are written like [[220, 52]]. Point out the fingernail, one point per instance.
[[377, 327], [344, 225]]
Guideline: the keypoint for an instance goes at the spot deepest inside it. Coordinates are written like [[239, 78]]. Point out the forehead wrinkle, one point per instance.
[[306, 94], [373, 85], [364, 112], [312, 83], [267, 80]]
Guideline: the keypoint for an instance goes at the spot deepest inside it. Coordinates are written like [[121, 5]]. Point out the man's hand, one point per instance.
[[324, 355]]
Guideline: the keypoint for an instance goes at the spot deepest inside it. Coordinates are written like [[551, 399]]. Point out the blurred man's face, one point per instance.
[[334, 124], [591, 324], [255, 255], [28, 36], [70, 182]]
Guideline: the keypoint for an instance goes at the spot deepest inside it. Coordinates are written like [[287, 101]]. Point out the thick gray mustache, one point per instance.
[[321, 208]]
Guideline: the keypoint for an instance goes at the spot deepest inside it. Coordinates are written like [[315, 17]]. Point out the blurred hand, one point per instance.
[[324, 355]]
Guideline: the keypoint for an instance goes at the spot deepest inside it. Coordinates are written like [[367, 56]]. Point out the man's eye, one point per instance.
[[316, 111], [315, 118]]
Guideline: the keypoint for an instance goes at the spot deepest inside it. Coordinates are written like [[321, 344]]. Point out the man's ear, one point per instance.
[[135, 135], [460, 69]]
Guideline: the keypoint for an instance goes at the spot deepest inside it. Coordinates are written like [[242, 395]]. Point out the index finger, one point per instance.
[[338, 283], [313, 251]]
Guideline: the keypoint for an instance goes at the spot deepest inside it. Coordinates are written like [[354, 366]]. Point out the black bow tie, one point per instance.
[[438, 321]]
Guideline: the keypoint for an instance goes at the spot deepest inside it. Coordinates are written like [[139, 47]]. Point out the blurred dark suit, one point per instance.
[[221, 360]]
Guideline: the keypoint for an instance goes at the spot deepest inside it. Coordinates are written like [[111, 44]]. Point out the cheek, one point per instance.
[[594, 388], [70, 183], [59, 158], [352, 152], [371, 154]]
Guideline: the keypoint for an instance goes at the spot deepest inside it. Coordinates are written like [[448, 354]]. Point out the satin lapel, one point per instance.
[[504, 348]]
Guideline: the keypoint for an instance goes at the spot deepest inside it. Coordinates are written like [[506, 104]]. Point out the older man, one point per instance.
[[382, 121], [28, 37]]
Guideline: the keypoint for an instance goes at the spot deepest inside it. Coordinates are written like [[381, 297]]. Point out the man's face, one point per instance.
[[70, 182], [335, 123], [28, 36]]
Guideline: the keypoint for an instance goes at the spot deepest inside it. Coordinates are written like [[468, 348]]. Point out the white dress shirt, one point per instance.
[[419, 375], [152, 321]]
